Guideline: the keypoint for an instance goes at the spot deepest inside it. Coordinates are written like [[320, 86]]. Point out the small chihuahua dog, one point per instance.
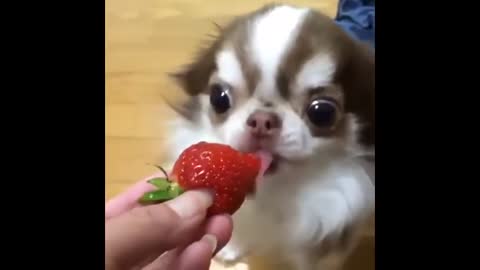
[[288, 82]]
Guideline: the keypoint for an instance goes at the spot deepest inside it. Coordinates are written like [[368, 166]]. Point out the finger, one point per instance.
[[165, 261], [154, 261], [138, 233], [219, 230], [129, 198], [195, 256], [221, 226], [198, 255]]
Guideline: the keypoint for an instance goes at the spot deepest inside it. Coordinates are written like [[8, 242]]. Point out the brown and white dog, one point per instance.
[[288, 82]]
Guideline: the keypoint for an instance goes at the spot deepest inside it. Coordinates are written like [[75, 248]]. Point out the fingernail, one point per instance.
[[191, 203], [212, 241]]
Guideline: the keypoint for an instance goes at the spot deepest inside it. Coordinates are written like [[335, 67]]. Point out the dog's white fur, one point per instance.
[[229, 70], [319, 190], [278, 28]]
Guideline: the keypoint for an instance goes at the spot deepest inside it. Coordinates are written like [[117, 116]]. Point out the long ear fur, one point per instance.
[[359, 85], [193, 78]]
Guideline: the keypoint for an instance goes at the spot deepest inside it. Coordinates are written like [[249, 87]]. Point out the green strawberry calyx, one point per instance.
[[165, 190]]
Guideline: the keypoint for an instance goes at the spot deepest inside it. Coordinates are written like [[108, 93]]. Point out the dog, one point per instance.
[[287, 82]]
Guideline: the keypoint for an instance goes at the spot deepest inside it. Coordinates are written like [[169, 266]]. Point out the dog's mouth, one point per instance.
[[273, 166], [269, 162]]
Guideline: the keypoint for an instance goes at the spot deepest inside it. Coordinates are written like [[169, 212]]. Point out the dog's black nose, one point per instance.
[[264, 124]]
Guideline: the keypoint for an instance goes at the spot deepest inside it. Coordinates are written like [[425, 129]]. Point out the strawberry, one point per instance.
[[229, 173]]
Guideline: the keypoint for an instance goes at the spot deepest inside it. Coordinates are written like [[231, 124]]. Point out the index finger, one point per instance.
[[129, 198]]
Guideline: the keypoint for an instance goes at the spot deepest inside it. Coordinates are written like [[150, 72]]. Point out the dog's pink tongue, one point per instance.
[[266, 159]]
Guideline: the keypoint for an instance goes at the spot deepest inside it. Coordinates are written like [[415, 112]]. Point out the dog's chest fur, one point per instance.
[[287, 207]]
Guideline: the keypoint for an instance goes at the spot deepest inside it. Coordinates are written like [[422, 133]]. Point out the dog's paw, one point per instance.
[[230, 254]]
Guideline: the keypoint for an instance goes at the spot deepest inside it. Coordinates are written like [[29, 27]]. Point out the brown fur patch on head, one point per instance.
[[353, 84], [317, 34]]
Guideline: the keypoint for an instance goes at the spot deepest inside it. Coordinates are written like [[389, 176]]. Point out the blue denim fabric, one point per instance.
[[357, 18]]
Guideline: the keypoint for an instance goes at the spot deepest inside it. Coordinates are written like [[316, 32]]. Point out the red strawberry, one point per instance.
[[228, 172]]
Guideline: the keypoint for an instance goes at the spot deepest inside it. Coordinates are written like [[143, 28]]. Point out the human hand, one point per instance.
[[175, 235]]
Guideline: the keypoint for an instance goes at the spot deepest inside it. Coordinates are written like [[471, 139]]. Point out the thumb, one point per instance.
[[151, 230]]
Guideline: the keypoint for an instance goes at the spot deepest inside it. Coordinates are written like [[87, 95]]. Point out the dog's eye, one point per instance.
[[322, 113], [219, 98]]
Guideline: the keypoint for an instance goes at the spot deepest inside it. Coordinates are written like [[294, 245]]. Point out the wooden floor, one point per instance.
[[145, 39]]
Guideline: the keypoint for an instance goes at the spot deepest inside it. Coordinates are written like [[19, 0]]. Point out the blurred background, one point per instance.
[[144, 40]]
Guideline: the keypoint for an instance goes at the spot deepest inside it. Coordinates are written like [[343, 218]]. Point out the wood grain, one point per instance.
[[146, 39]]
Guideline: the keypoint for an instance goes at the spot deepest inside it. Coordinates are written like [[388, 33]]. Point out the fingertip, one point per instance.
[[211, 240], [222, 227], [196, 256]]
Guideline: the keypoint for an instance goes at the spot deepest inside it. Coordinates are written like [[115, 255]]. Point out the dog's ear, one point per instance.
[[194, 77], [193, 80], [359, 87]]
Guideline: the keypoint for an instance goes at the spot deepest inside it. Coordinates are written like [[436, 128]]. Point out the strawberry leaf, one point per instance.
[[156, 196], [175, 190], [166, 191], [160, 183]]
